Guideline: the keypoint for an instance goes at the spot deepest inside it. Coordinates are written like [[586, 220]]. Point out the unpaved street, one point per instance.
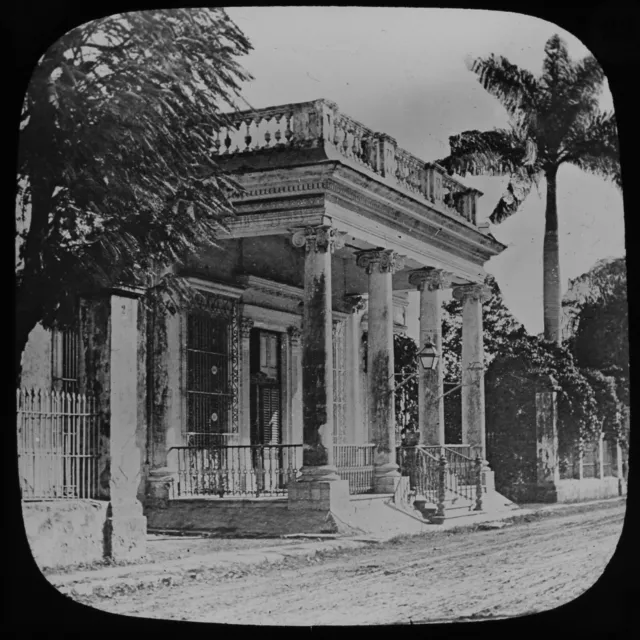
[[520, 569]]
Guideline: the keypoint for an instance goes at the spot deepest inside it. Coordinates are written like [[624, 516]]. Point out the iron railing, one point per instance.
[[422, 468], [236, 470], [355, 464], [58, 436], [423, 465]]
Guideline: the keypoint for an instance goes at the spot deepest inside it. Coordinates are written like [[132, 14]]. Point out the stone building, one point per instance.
[[260, 389]]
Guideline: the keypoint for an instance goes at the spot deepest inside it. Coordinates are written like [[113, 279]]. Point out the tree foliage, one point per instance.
[[115, 181]]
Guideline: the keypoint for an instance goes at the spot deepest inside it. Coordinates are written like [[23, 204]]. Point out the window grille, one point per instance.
[[66, 360], [212, 353], [339, 384]]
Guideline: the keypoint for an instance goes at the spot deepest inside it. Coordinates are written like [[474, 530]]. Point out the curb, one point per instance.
[[118, 580]]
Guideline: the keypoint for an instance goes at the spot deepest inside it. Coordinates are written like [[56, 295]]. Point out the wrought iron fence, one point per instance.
[[58, 435], [461, 468], [237, 470], [355, 464]]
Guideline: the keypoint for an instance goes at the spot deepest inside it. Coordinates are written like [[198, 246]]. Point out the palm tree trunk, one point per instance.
[[552, 291]]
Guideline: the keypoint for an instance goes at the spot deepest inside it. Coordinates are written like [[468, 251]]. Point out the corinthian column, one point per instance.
[[429, 282], [380, 264], [317, 356], [473, 420]]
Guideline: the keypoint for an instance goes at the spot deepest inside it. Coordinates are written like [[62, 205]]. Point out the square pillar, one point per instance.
[[246, 324], [429, 282], [380, 264], [547, 460], [126, 529], [472, 392], [317, 352]]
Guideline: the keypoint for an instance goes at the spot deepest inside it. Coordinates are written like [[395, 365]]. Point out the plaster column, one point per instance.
[[473, 418], [246, 324], [429, 282], [317, 352], [354, 406], [126, 528], [295, 339], [380, 264]]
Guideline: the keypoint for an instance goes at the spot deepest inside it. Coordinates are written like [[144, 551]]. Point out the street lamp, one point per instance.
[[428, 356]]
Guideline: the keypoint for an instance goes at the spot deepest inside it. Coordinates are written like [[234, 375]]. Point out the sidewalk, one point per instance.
[[175, 559]]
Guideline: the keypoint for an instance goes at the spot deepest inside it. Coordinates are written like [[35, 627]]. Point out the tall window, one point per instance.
[[339, 384], [266, 388], [66, 360], [212, 374]]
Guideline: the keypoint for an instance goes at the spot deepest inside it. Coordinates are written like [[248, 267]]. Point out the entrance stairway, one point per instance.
[[447, 483]]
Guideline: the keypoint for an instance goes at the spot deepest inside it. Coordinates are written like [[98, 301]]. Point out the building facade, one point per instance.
[[260, 387]]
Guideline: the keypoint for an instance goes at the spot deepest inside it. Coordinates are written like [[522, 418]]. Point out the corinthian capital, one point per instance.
[[355, 303], [472, 292], [296, 336], [380, 260], [321, 238], [430, 279]]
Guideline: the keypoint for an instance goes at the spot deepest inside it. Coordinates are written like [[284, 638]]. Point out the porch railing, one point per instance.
[[460, 466], [320, 123], [58, 435], [421, 466], [237, 470], [355, 464]]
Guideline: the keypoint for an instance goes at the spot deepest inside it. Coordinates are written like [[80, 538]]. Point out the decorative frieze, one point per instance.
[[320, 238], [478, 292], [380, 260], [430, 279], [246, 324]]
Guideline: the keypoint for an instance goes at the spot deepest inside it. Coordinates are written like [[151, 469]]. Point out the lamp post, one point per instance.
[[428, 357]]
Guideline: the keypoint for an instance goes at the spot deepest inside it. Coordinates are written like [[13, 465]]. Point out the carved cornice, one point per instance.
[[380, 261], [430, 279], [477, 292], [246, 324], [320, 238], [295, 335], [272, 287]]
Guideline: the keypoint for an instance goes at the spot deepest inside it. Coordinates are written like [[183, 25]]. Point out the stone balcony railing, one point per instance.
[[320, 124]]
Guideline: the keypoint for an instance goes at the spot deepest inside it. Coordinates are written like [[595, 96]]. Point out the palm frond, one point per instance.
[[593, 146], [516, 193], [497, 152], [556, 67], [514, 87]]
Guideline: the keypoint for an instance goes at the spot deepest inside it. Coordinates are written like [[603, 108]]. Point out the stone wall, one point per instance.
[[242, 517], [565, 490], [65, 532]]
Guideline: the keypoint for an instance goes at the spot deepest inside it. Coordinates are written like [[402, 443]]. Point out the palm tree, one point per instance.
[[554, 119]]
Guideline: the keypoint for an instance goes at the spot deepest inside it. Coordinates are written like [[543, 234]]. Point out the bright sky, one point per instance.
[[402, 71]]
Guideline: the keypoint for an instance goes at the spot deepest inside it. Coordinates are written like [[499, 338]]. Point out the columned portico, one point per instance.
[[473, 417], [429, 282], [380, 264], [317, 357]]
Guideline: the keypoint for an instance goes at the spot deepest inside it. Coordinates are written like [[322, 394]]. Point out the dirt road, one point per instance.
[[522, 568]]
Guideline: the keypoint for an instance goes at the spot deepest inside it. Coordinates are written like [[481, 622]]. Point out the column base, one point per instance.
[[125, 531], [159, 487], [386, 477], [318, 495], [488, 478]]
